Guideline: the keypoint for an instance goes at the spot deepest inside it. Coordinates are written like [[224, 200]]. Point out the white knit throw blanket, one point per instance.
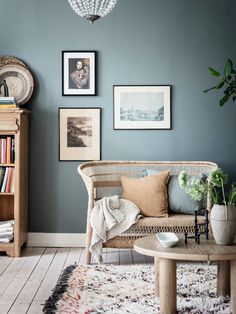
[[109, 218]]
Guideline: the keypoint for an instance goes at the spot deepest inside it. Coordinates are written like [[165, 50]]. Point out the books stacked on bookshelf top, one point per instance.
[[6, 231], [7, 179], [8, 102]]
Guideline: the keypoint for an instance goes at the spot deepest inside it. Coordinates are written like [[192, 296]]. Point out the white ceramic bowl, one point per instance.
[[167, 239]]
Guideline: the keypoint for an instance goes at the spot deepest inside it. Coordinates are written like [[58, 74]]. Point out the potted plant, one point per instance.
[[227, 81], [223, 212]]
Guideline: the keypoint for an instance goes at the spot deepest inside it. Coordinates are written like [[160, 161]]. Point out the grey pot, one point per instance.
[[223, 223]]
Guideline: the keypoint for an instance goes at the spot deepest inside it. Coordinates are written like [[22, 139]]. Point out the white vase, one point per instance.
[[223, 223]]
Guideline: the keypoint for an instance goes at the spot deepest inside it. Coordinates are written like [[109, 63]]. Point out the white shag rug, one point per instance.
[[130, 289]]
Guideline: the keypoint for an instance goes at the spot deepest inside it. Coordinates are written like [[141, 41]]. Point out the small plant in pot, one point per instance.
[[223, 212]]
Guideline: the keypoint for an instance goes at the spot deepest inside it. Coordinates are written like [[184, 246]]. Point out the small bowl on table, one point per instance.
[[167, 239]]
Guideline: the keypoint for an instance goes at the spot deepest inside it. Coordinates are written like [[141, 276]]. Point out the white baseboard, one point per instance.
[[56, 239]]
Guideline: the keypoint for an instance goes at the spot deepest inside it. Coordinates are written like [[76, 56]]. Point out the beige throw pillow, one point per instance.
[[148, 193]]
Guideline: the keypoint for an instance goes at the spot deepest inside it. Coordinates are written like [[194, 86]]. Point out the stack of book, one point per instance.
[[6, 231], [6, 179], [8, 102], [7, 149]]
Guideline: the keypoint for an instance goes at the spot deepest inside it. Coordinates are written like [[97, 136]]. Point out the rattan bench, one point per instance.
[[102, 178]]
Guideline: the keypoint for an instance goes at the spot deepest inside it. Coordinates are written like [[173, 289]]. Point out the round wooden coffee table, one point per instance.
[[165, 267]]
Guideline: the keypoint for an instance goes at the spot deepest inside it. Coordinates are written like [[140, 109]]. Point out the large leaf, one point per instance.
[[228, 67], [207, 90], [219, 85], [214, 72], [224, 99]]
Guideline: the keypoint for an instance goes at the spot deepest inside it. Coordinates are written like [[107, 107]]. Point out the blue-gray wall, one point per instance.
[[139, 42]]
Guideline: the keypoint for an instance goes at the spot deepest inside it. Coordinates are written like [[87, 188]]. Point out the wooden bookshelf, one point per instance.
[[14, 205]]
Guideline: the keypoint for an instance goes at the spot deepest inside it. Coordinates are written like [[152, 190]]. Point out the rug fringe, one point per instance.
[[61, 286]]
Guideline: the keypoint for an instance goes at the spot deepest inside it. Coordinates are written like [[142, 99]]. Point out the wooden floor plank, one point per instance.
[[149, 259], [11, 271], [30, 289], [138, 258], [125, 257], [49, 281], [113, 256], [12, 291], [4, 263], [73, 256], [82, 260]]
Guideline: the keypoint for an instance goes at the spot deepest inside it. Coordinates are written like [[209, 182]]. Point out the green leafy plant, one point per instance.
[[214, 184], [227, 81]]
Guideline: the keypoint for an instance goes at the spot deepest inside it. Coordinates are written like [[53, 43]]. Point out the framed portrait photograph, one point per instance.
[[79, 134], [78, 73], [143, 107]]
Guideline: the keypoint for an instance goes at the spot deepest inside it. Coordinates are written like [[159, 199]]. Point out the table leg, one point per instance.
[[157, 281], [233, 286], [167, 275], [223, 278]]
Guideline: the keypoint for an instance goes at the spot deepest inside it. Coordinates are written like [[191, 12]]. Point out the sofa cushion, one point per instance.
[[148, 193], [179, 200]]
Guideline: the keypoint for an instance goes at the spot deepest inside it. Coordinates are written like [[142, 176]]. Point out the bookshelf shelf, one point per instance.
[[14, 200], [7, 165]]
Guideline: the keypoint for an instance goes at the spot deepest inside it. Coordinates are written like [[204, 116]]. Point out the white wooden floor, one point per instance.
[[26, 282]]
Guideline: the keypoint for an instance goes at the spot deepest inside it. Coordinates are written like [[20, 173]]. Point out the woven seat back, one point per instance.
[[104, 176]]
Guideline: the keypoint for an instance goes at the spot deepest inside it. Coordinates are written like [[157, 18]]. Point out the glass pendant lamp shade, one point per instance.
[[92, 10]]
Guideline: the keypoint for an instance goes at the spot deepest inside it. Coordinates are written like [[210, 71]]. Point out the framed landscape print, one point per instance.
[[79, 134], [78, 73], [142, 107]]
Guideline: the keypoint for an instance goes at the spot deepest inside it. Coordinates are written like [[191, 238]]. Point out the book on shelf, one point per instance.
[[7, 149], [2, 172], [9, 106], [9, 179], [3, 150], [7, 99], [8, 102], [7, 185], [12, 184], [3, 187], [12, 150]]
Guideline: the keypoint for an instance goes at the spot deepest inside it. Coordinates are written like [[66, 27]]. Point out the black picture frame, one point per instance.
[[79, 72]]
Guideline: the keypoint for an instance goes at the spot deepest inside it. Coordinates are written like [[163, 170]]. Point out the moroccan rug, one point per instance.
[[130, 289]]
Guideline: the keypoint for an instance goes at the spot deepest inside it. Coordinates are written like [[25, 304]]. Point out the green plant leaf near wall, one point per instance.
[[227, 80]]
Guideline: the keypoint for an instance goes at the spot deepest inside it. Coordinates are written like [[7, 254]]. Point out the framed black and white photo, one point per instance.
[[78, 73], [142, 107], [79, 134]]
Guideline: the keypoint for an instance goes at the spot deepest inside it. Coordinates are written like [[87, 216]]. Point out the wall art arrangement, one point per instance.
[[79, 134], [142, 107], [78, 73]]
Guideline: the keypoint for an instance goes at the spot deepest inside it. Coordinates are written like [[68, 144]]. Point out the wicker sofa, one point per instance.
[[102, 178]]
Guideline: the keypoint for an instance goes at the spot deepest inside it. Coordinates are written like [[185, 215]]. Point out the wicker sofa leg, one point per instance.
[[88, 243], [156, 268], [88, 256]]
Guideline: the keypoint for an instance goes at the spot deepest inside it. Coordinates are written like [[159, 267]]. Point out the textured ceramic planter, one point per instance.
[[223, 223]]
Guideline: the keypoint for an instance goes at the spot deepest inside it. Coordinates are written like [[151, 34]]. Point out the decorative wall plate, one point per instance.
[[19, 81], [11, 60]]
